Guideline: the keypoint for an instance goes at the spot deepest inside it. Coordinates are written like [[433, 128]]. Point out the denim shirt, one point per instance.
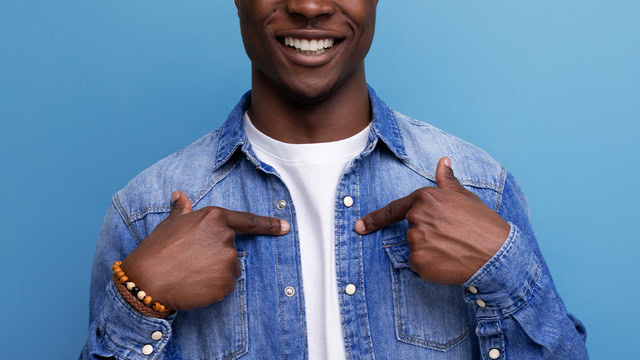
[[509, 309]]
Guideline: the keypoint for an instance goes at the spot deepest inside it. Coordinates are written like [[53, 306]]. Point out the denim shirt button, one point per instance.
[[350, 289], [481, 303], [348, 201], [473, 289], [147, 349], [281, 204], [289, 291], [156, 335], [494, 354]]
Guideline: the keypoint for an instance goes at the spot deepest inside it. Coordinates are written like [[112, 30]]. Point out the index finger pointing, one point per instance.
[[249, 223], [394, 211]]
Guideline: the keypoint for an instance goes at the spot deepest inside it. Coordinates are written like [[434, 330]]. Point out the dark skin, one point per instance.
[[308, 99]]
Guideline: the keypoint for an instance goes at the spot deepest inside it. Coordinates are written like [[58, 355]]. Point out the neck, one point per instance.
[[341, 114]]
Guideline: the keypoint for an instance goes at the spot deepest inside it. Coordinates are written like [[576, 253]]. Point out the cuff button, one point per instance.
[[147, 349], [156, 335], [473, 289], [494, 354], [481, 303]]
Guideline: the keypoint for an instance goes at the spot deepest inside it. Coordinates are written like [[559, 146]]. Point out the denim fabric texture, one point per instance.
[[393, 313]]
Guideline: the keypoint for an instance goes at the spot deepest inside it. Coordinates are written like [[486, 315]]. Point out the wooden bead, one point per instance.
[[117, 270], [118, 263], [124, 279], [162, 308], [156, 306], [147, 300], [120, 274]]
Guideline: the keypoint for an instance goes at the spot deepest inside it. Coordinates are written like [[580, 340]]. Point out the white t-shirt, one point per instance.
[[311, 173]]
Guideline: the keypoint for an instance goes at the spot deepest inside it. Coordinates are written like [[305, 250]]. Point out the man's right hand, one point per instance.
[[190, 260]]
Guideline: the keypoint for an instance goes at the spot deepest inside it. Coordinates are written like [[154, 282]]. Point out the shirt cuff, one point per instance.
[[129, 334], [507, 280]]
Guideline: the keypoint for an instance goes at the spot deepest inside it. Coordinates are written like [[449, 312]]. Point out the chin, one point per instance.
[[310, 93]]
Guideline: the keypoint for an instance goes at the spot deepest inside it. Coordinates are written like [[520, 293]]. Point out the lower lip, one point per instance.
[[310, 60]]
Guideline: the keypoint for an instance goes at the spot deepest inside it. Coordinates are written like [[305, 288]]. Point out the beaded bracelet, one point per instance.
[[122, 280]]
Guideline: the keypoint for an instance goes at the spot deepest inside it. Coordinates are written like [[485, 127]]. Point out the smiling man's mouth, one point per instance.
[[309, 46]]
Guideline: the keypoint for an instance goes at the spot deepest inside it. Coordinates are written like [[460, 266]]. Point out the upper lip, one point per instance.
[[309, 34]]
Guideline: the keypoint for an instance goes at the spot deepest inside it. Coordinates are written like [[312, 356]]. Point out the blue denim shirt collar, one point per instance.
[[384, 127]]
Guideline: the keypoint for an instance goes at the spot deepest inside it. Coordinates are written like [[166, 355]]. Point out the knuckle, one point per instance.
[[424, 194], [413, 217], [215, 212], [252, 221], [389, 210], [414, 237]]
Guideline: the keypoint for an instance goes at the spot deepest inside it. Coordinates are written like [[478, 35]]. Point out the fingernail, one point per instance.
[[284, 226], [447, 162], [360, 226], [175, 196]]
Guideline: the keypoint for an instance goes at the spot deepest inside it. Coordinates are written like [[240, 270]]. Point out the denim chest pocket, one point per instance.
[[427, 314], [217, 331]]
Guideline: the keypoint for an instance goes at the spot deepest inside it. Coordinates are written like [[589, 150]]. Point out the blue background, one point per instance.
[[93, 92]]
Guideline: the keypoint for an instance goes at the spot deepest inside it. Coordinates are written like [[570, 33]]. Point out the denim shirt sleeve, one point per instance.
[[116, 329], [523, 316]]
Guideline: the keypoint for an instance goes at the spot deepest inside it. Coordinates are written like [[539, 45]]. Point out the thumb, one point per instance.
[[445, 177], [180, 204]]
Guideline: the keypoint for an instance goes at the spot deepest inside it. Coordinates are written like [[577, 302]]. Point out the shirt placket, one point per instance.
[[349, 268]]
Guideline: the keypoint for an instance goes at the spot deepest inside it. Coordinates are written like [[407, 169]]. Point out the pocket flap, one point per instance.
[[398, 251]]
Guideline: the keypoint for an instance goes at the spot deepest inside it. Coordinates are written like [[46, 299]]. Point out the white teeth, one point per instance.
[[309, 47]]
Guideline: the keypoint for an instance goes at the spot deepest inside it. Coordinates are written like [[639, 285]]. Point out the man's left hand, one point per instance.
[[452, 233]]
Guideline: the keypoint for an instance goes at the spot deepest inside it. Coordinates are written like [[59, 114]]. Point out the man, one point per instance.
[[318, 223]]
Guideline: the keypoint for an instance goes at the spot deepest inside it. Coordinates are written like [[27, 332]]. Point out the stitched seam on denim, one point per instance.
[[118, 205], [155, 209], [229, 154], [410, 339], [434, 345], [498, 256], [140, 317], [397, 131], [503, 180], [465, 182], [115, 351], [280, 291], [337, 245], [469, 182], [522, 301], [243, 312], [361, 266]]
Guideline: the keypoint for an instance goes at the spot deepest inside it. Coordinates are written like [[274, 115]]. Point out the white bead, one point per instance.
[[141, 295], [130, 285], [494, 354], [147, 349]]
